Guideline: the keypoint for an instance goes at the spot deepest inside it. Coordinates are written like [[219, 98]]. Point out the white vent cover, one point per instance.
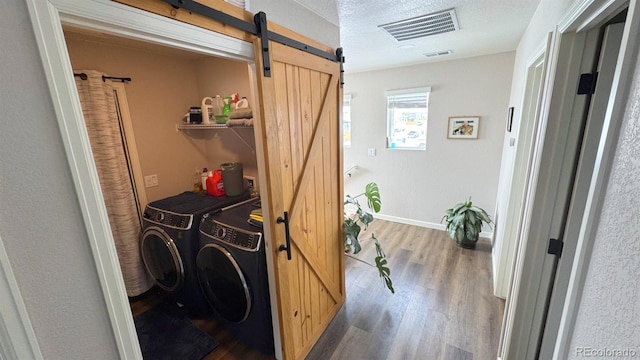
[[421, 26], [438, 53]]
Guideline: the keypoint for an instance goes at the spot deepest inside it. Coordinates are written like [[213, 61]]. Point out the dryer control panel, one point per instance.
[[239, 238]]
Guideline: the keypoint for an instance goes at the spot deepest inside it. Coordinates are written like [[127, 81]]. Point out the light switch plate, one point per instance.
[[251, 181], [371, 152], [151, 180]]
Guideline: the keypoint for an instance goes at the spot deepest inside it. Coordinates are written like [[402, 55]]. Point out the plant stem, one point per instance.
[[362, 261]]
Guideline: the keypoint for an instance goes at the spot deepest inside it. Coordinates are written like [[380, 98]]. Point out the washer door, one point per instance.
[[162, 259], [223, 283]]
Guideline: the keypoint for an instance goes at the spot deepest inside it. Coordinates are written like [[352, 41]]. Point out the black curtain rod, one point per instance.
[[84, 76]]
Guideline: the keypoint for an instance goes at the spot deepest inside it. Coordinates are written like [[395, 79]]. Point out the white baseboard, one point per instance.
[[424, 224]]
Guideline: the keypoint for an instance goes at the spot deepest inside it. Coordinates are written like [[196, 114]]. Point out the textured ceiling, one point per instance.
[[486, 27]]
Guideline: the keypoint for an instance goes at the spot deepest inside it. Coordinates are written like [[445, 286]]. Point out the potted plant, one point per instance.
[[354, 217], [464, 222]]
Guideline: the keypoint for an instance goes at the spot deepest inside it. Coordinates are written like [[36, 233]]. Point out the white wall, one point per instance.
[[297, 17], [418, 186], [609, 311], [40, 220]]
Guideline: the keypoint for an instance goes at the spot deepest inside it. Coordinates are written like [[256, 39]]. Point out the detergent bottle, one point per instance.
[[243, 103], [207, 110], [215, 186]]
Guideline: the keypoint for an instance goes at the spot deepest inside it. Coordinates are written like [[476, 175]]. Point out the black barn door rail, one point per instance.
[[258, 28]]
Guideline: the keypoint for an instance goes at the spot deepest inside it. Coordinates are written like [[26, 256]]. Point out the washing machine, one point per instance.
[[170, 242], [232, 270]]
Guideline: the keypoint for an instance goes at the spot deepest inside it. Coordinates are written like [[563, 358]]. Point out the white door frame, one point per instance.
[[504, 255], [520, 337], [106, 16], [580, 188], [604, 160]]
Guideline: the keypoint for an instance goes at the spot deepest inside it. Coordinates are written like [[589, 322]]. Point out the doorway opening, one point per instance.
[[567, 162], [166, 82]]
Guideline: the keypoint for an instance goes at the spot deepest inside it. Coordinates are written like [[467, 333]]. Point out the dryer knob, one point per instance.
[[159, 216], [221, 232]]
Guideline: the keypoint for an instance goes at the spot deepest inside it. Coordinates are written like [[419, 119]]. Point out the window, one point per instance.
[[346, 120], [407, 118]]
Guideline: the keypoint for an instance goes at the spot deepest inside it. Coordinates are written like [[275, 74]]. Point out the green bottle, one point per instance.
[[226, 109]]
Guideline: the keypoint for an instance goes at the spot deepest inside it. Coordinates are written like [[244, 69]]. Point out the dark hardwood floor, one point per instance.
[[443, 307], [228, 348]]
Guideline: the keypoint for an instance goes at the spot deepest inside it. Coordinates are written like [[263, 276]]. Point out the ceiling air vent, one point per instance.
[[422, 26], [437, 53]]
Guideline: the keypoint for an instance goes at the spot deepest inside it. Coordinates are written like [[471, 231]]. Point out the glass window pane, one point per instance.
[[346, 120], [407, 112]]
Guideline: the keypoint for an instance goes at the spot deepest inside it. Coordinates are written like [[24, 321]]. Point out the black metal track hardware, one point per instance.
[[256, 29], [214, 14], [260, 20], [341, 59]]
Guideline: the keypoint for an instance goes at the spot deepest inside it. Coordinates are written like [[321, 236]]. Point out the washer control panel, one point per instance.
[[168, 218]]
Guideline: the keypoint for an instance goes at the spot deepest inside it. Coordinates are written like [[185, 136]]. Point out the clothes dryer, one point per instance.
[[170, 242], [232, 271]]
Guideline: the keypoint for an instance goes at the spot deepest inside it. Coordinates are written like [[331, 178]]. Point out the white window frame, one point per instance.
[[394, 133], [346, 120]]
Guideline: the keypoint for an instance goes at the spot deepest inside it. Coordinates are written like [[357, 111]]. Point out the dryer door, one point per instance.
[[223, 283], [162, 259]]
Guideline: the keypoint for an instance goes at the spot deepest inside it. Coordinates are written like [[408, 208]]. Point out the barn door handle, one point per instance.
[[286, 247]]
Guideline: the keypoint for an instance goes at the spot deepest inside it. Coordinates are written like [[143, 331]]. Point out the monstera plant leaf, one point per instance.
[[352, 228], [351, 232], [373, 196], [381, 264]]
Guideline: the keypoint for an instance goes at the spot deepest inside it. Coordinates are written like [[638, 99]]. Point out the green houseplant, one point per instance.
[[353, 223], [464, 223]]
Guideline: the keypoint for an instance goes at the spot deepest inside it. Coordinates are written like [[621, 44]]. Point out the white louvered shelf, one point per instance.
[[215, 127], [201, 126]]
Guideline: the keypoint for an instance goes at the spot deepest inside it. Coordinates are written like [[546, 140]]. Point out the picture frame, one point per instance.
[[510, 119], [463, 127]]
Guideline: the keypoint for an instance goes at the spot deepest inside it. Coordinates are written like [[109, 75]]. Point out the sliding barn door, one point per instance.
[[300, 107]]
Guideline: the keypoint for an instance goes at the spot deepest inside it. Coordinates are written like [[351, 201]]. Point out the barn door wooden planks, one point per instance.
[[300, 106]]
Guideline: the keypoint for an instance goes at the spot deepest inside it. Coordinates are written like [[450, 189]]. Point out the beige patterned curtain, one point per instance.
[[102, 118]]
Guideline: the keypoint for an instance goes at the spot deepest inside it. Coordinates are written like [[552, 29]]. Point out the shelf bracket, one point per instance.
[[242, 139]]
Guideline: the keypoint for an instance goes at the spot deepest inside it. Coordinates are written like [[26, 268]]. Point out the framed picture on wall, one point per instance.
[[463, 127]]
